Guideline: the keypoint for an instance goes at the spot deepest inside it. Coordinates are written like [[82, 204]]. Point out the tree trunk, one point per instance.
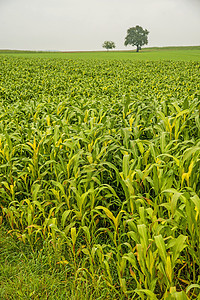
[[138, 47]]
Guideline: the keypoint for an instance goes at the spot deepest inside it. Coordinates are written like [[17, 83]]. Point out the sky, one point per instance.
[[75, 25]]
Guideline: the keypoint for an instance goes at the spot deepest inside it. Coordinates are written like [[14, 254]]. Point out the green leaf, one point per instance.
[[143, 234], [192, 286], [125, 166], [179, 245], [73, 235], [64, 217], [107, 212], [147, 292], [196, 201], [161, 247]]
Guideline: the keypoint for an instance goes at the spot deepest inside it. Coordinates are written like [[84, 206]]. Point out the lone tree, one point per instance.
[[136, 36], [108, 45]]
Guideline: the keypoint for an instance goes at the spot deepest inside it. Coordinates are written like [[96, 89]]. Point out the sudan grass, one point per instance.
[[99, 174]]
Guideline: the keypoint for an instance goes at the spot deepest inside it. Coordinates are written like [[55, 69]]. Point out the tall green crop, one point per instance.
[[101, 159]]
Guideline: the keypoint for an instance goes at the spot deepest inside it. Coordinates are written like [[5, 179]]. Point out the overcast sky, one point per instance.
[[86, 24]]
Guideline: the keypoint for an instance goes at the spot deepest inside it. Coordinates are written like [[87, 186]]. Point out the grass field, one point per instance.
[[165, 53], [99, 176]]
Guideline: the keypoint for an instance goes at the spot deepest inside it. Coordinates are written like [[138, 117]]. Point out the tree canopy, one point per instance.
[[108, 45], [136, 36]]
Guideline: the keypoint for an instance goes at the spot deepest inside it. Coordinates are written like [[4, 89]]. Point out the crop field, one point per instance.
[[99, 175]]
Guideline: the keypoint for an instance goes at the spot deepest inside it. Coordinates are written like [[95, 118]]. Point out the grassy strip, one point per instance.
[[28, 274], [155, 53]]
